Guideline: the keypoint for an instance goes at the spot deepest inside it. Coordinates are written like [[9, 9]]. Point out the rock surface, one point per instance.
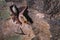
[[45, 15]]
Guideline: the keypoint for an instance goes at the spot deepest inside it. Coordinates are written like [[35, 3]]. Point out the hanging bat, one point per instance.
[[16, 11]]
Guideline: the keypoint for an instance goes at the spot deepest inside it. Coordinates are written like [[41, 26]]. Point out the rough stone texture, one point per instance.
[[40, 26], [51, 10]]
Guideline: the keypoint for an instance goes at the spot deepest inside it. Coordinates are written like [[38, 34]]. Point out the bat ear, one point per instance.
[[14, 9]]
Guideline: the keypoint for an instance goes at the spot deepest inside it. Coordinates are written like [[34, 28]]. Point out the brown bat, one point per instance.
[[22, 10], [15, 13]]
